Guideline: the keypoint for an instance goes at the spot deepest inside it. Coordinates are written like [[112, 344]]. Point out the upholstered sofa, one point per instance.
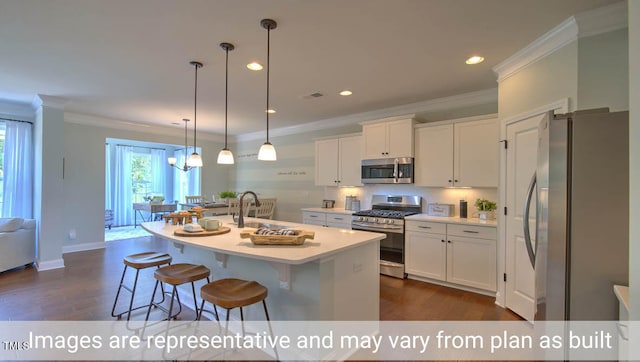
[[17, 242]]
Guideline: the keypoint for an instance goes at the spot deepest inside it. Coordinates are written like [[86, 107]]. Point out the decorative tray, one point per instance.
[[278, 239], [220, 230]]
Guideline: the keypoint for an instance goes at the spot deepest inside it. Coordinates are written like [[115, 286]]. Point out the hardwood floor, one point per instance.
[[85, 288]]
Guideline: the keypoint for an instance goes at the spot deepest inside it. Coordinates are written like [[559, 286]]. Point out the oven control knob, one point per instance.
[[391, 221]]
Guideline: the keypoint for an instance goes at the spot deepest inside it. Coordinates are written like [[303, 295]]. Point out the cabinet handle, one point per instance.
[[442, 241], [449, 181], [455, 180], [471, 232], [313, 215], [449, 241], [338, 218], [424, 227]]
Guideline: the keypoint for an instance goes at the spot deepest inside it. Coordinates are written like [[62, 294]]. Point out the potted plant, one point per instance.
[[226, 195], [486, 209]]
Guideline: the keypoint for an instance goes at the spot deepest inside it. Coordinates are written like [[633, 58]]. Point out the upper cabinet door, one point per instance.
[[388, 139], [476, 153], [350, 161], [327, 162], [375, 141], [400, 138], [434, 156]]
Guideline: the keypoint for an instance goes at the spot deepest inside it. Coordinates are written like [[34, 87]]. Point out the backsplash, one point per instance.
[[429, 195]]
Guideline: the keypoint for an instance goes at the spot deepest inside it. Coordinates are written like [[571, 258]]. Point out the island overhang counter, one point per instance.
[[334, 276]]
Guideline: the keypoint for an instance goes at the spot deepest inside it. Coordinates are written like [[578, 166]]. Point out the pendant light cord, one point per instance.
[[226, 95], [186, 146], [195, 106], [268, 68]]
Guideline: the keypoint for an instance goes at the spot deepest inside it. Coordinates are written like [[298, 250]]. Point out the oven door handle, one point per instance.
[[376, 228]]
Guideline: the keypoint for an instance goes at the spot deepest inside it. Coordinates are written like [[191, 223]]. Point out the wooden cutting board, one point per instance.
[[219, 231]]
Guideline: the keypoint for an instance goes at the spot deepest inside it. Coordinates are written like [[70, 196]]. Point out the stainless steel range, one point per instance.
[[387, 216]]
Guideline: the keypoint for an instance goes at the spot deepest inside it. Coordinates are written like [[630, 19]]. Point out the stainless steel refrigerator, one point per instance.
[[580, 247]]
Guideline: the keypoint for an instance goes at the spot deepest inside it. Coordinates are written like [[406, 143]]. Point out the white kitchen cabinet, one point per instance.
[[338, 161], [426, 250], [387, 139], [458, 154], [341, 220], [455, 253]]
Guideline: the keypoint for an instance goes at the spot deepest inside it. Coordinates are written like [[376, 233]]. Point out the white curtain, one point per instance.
[[185, 183], [17, 190], [123, 190], [108, 177], [159, 172]]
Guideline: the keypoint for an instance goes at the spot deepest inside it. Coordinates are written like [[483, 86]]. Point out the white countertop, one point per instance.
[[327, 241], [452, 220], [334, 210]]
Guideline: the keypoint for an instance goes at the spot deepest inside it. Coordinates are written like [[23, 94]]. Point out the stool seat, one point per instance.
[[147, 260], [232, 293], [177, 274]]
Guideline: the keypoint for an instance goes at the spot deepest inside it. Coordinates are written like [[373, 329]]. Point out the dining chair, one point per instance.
[[194, 199], [266, 209]]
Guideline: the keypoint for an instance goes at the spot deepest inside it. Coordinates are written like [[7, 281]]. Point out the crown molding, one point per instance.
[[457, 101], [41, 100], [593, 22], [104, 122]]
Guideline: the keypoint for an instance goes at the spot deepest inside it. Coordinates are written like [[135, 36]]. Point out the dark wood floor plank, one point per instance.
[[85, 288]]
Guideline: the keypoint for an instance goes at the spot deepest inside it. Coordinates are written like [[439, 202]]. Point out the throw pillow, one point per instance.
[[28, 224], [8, 224]]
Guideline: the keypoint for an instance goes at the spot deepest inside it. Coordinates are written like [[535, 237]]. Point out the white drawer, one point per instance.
[[314, 215], [472, 231], [426, 226], [339, 218]]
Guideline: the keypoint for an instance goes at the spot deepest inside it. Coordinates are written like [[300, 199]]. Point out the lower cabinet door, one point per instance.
[[472, 262], [426, 255]]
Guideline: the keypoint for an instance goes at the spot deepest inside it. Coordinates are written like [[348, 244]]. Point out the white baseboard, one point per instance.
[[83, 247], [49, 264]]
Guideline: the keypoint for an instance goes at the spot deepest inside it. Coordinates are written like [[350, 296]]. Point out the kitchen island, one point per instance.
[[335, 276]]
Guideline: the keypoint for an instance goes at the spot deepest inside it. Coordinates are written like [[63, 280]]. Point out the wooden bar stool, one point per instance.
[[178, 274], [232, 293], [138, 262]]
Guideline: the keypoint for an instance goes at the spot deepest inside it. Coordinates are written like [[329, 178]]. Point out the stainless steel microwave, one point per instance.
[[388, 171]]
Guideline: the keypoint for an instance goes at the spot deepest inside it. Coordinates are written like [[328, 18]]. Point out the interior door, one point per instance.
[[522, 138]]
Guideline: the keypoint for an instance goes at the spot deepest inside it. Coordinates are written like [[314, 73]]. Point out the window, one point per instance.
[[1, 162], [141, 176]]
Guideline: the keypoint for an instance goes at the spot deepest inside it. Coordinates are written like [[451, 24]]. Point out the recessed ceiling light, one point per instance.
[[475, 59], [254, 66], [271, 111], [346, 92]]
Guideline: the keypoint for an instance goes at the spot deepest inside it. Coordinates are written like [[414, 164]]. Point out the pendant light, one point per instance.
[[226, 156], [267, 151], [172, 160], [195, 160]]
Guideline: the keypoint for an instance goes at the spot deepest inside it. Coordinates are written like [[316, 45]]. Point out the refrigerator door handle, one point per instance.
[[525, 221]]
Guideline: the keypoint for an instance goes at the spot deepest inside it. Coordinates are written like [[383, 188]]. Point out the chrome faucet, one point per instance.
[[240, 211]]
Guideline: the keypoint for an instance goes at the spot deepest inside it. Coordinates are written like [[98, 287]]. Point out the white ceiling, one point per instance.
[[129, 60]]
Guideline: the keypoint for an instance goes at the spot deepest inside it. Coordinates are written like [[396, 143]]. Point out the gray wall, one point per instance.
[[84, 183], [634, 161], [610, 88], [543, 82]]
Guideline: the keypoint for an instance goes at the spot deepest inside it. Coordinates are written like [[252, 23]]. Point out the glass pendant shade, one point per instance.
[[267, 152], [194, 160], [172, 160], [225, 157]]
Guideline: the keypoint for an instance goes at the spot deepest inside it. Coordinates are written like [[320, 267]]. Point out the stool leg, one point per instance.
[[173, 292], [133, 294], [199, 315], [242, 321], [151, 302], [195, 300], [113, 310], [266, 313]]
